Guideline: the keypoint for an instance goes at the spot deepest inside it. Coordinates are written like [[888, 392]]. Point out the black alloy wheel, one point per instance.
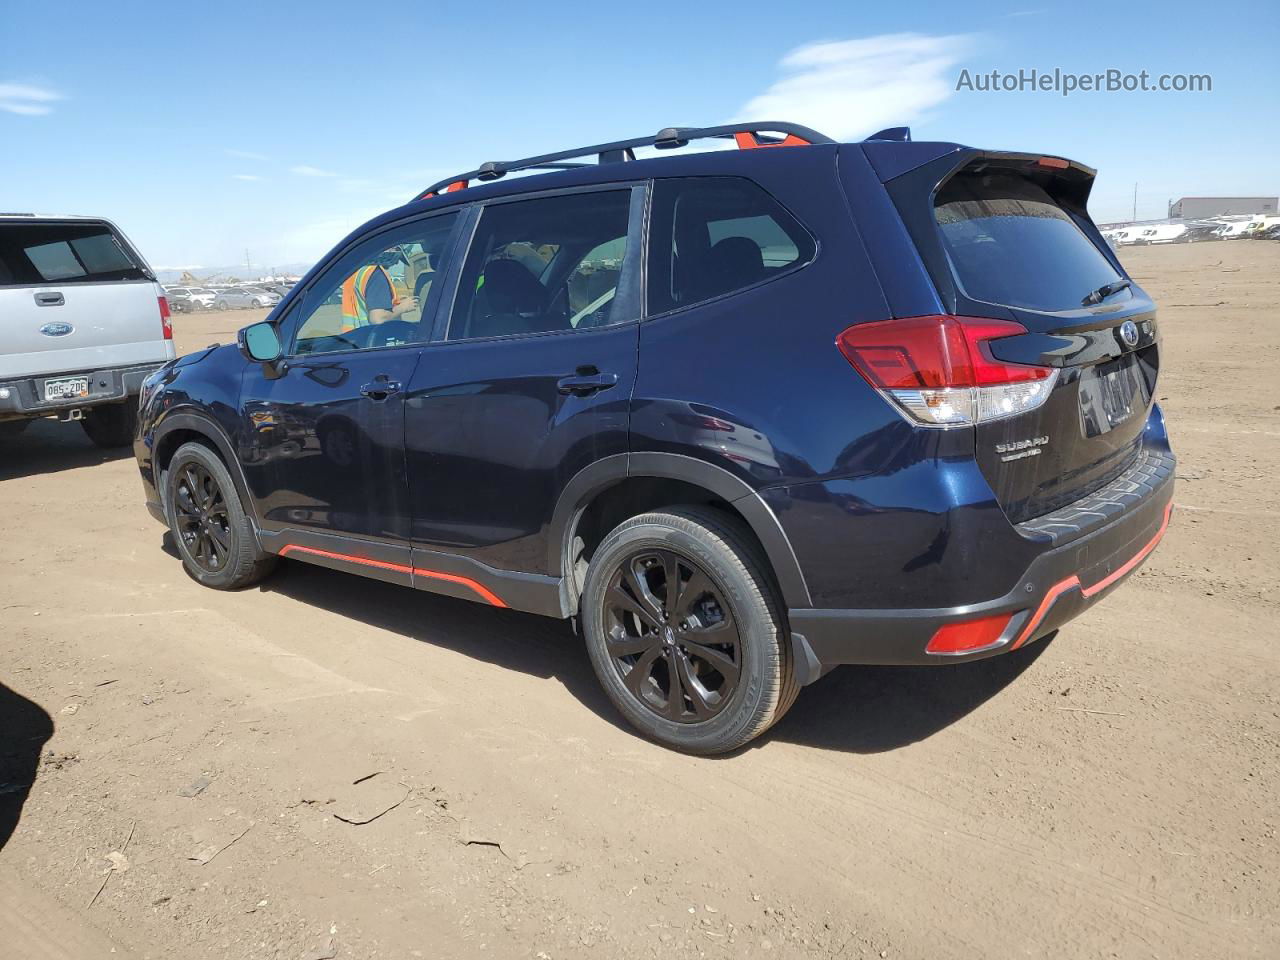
[[202, 519], [214, 535], [672, 636]]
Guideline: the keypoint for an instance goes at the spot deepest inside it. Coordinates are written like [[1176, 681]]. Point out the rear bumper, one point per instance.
[[1088, 555], [106, 385]]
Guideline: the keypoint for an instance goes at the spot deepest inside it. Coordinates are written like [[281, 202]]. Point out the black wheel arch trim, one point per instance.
[[594, 479], [210, 429]]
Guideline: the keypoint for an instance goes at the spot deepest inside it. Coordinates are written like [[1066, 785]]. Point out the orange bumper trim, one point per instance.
[[1073, 582]]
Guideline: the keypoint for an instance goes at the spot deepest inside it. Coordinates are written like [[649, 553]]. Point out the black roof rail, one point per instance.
[[747, 135]]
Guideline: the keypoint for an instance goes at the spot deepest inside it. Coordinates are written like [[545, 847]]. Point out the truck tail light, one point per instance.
[[940, 370], [166, 322]]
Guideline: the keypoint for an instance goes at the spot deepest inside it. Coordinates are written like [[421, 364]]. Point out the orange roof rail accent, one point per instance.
[[451, 188], [747, 140]]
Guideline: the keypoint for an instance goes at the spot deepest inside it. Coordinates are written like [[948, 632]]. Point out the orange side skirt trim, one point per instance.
[[484, 592]]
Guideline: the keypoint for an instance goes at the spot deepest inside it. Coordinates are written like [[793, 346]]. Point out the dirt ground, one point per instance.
[[204, 761]]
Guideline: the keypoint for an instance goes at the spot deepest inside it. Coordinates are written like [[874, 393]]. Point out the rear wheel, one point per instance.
[[210, 528], [685, 632], [112, 424]]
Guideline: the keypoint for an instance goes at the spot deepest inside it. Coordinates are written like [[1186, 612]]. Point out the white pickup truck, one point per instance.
[[82, 323]]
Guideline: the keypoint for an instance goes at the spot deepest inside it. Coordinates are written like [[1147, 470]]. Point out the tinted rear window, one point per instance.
[[1009, 242], [40, 253]]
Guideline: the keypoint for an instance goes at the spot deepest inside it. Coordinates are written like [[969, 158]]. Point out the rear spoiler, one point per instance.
[[1068, 180], [891, 160]]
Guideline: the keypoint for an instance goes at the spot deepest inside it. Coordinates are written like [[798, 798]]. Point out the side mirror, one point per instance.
[[260, 343]]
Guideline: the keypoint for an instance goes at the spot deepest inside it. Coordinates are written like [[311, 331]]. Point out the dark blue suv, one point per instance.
[[745, 414]]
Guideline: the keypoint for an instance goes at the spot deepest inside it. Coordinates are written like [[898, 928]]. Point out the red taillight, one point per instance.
[[969, 635], [940, 351], [166, 323], [941, 370], [1056, 163]]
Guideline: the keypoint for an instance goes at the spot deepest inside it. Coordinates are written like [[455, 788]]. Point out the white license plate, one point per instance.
[[66, 388]]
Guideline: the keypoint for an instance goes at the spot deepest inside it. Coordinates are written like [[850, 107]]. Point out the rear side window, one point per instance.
[[712, 236], [37, 253], [1009, 242]]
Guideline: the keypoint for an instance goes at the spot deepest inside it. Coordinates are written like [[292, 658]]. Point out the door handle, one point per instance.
[[380, 388], [585, 381], [49, 299]]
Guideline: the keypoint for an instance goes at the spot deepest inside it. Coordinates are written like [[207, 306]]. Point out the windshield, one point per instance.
[[1009, 242]]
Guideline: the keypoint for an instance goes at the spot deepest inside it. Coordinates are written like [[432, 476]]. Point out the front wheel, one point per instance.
[[212, 532], [112, 424], [685, 632]]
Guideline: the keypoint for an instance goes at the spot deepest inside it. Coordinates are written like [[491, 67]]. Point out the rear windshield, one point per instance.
[[39, 253], [1009, 242]]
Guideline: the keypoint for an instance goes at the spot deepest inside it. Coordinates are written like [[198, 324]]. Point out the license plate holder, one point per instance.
[[66, 388], [1111, 393]]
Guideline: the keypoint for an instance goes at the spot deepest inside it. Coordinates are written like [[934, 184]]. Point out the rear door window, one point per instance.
[[713, 236], [37, 253], [553, 264], [1009, 242]]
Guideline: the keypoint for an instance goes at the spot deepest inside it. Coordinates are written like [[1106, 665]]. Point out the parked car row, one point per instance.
[[1236, 228], [244, 297]]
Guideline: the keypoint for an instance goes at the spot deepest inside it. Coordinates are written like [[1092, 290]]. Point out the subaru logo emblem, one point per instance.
[[57, 329], [1129, 333]]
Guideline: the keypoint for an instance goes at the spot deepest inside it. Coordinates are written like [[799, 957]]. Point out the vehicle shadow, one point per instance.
[[539, 646], [24, 729], [47, 446], [875, 709], [854, 709]]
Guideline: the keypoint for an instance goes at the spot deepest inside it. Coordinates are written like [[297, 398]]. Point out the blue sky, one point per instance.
[[279, 126]]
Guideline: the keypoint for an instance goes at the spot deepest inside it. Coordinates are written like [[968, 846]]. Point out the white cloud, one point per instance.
[[245, 176], [305, 171], [850, 88], [244, 154], [26, 99]]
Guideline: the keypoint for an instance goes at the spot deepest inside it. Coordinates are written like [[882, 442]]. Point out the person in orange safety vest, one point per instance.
[[369, 298]]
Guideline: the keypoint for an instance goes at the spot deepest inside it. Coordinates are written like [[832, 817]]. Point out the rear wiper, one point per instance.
[[1104, 291]]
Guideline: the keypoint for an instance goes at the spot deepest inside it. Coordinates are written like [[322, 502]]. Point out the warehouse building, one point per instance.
[[1197, 208]]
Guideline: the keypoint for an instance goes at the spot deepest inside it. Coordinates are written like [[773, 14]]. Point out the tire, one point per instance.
[[112, 424], [10, 429], [728, 620], [211, 531]]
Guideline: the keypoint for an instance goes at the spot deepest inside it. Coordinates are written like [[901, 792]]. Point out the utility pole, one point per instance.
[[1135, 207], [249, 267]]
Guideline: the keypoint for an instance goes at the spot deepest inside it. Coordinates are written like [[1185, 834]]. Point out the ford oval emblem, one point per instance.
[[58, 329], [1129, 333]]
